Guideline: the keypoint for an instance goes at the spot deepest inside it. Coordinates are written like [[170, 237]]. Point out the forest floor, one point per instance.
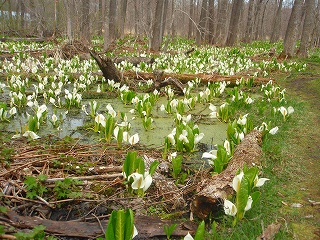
[[301, 156], [298, 168]]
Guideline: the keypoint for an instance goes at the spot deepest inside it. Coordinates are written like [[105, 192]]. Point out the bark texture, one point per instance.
[[107, 67], [212, 191], [292, 31], [234, 22], [307, 28], [277, 24]]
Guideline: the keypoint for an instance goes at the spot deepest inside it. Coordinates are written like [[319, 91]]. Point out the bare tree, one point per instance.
[[307, 28], [190, 25], [211, 21], [250, 23], [316, 29], [200, 35], [260, 31], [257, 19], [112, 20], [222, 23], [292, 32], [106, 40], [85, 22], [22, 14], [234, 22], [158, 25], [122, 17], [276, 24]]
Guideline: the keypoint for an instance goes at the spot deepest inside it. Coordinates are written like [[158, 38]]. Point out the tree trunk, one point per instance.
[[250, 23], [316, 30], [307, 28], [276, 24], [156, 39], [201, 31], [171, 28], [257, 19], [261, 32], [211, 21], [85, 22], [292, 33], [112, 21], [68, 4], [107, 67], [106, 39], [164, 18], [234, 22], [33, 15], [122, 18], [190, 26], [22, 14], [212, 191], [148, 18], [102, 9], [222, 24]]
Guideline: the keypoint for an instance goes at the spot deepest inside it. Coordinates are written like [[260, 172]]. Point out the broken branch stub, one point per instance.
[[107, 67], [213, 191]]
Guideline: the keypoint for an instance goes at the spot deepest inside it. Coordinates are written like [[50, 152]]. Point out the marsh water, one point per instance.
[[77, 124]]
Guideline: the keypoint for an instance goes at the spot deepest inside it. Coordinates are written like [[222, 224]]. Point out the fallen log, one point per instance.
[[147, 226], [40, 40], [212, 191], [185, 77]]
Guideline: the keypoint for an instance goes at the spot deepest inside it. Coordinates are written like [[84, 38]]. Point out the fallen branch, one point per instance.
[[83, 178], [25, 39], [212, 191], [147, 226]]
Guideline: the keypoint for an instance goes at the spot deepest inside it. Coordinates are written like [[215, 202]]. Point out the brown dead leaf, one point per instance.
[[270, 232]]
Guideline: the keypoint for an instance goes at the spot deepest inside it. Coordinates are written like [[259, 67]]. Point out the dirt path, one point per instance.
[[304, 155]]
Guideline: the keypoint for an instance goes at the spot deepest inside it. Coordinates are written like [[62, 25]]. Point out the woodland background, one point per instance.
[[218, 22]]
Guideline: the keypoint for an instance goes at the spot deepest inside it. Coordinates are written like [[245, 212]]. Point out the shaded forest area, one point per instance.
[[217, 22]]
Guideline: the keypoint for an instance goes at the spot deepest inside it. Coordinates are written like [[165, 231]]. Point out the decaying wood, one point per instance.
[[212, 191], [269, 232], [74, 48], [169, 191], [175, 83], [166, 188], [184, 77], [134, 60], [147, 226], [107, 67]]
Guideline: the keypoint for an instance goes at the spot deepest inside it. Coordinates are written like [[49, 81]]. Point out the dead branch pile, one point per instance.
[[99, 167], [74, 48]]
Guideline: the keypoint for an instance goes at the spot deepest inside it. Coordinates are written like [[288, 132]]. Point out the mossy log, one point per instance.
[[212, 191]]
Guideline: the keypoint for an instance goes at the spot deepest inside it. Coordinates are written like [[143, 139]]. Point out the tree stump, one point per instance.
[[212, 191], [107, 67]]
